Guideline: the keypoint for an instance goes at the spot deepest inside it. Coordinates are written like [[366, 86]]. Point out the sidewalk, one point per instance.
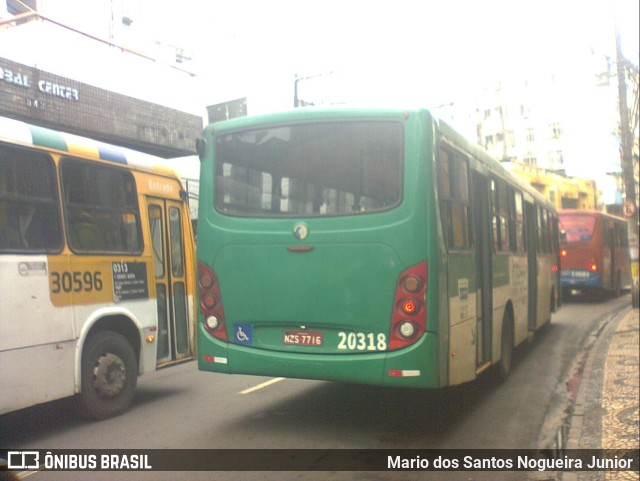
[[605, 413]]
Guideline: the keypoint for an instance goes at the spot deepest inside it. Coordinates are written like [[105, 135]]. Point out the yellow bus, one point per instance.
[[96, 270]]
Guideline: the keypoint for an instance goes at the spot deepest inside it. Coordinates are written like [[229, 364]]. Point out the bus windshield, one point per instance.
[[310, 169], [578, 228]]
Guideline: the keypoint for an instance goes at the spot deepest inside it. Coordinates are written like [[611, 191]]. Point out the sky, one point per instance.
[[412, 53], [376, 52], [417, 51], [394, 48]]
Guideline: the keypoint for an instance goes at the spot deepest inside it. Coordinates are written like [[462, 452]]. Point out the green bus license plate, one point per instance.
[[303, 338]]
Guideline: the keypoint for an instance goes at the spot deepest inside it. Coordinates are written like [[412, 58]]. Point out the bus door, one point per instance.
[[484, 259], [168, 242], [531, 234]]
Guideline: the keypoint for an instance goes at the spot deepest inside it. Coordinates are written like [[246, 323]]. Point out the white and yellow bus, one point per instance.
[[96, 270]]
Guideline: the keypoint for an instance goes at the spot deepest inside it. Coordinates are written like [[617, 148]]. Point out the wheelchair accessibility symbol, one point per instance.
[[243, 334]]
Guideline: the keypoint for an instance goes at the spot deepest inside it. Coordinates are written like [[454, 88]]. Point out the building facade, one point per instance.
[[521, 122], [564, 192]]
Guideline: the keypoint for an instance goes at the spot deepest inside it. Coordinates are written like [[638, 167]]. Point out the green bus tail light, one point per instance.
[[408, 329], [409, 317], [409, 306], [211, 302], [412, 283]]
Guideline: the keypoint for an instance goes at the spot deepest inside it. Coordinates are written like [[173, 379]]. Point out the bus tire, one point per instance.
[[109, 375], [506, 348]]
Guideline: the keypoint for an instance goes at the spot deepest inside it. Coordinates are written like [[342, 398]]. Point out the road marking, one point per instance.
[[26, 474], [263, 385]]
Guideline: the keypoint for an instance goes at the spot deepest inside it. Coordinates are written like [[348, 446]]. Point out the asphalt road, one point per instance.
[[182, 408]]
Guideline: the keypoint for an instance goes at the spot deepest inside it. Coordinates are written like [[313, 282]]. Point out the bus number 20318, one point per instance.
[[359, 341]]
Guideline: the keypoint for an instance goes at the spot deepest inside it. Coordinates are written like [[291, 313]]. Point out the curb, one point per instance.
[[598, 352]]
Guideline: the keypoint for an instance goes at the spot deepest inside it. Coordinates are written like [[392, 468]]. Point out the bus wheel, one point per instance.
[[506, 348], [109, 375]]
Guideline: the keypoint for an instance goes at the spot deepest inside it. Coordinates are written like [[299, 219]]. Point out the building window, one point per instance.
[[555, 159], [529, 135], [556, 130]]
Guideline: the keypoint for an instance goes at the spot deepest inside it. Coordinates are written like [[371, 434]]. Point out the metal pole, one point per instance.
[[626, 159]]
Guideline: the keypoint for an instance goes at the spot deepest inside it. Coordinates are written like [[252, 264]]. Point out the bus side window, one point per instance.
[[621, 235], [555, 233], [500, 231], [84, 233], [516, 224], [606, 233], [544, 233], [175, 236], [9, 238], [29, 220], [101, 207], [453, 187]]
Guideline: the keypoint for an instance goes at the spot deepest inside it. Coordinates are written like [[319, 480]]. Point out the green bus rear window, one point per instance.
[[310, 169]]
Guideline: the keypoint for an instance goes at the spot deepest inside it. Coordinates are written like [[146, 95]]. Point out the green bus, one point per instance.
[[366, 246]]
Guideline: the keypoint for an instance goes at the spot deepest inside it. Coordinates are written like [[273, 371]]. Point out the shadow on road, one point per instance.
[[380, 417], [29, 425], [32, 424], [329, 414]]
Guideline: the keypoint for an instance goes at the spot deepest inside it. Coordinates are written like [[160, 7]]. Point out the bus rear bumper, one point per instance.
[[571, 282], [414, 366]]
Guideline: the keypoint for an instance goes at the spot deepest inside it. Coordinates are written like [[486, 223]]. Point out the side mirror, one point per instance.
[[201, 148]]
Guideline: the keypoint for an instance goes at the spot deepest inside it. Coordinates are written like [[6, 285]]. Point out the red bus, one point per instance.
[[594, 253]]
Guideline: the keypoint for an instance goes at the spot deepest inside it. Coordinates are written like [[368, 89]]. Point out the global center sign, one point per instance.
[[50, 100], [45, 86]]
